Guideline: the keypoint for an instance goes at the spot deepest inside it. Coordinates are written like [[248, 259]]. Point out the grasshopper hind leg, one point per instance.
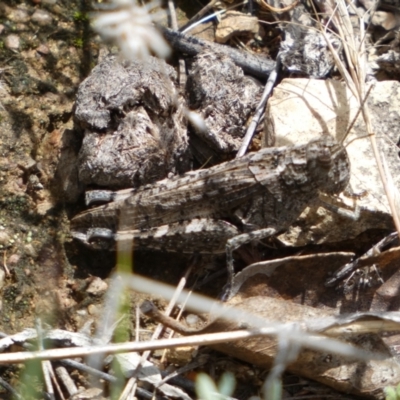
[[233, 244]]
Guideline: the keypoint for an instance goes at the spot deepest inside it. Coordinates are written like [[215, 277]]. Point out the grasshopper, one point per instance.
[[219, 209]]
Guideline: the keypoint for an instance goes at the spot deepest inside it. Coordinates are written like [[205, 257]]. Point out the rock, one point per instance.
[[30, 250], [133, 123], [97, 286], [193, 320], [12, 42], [43, 49], [386, 20], [13, 259], [306, 52], [4, 239], [44, 203], [182, 355], [328, 107], [18, 15], [235, 23], [225, 98], [42, 17], [94, 310]]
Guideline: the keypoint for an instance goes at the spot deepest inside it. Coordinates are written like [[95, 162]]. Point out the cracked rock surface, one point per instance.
[[133, 123], [220, 92]]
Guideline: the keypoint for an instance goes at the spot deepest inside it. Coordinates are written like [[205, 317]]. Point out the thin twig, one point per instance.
[[5, 264], [209, 7], [179, 289], [46, 366], [253, 64], [64, 376], [317, 342], [101, 375], [131, 384], [357, 114], [8, 387], [259, 110], [267, 7], [182, 78]]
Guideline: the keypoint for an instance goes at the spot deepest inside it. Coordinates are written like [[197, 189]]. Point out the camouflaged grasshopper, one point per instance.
[[217, 210]]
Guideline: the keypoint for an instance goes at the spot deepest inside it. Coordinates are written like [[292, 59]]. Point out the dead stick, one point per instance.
[[259, 111], [252, 64]]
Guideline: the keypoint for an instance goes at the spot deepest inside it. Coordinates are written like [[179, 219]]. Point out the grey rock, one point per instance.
[[220, 92], [12, 42], [42, 17], [133, 122], [305, 51], [19, 14]]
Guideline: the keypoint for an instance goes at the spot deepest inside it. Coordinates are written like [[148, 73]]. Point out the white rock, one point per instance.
[[386, 20], [97, 286], [42, 17], [18, 14], [12, 42], [4, 238]]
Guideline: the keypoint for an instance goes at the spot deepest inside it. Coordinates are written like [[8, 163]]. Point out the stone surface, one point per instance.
[[19, 14], [12, 42], [301, 109], [42, 17], [225, 98], [133, 123], [235, 23], [386, 20]]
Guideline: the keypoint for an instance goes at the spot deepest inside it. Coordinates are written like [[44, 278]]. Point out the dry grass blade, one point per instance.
[[316, 341], [259, 111], [354, 49], [131, 385], [200, 304], [268, 7]]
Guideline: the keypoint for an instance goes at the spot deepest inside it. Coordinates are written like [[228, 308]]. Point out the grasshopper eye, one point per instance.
[[325, 158]]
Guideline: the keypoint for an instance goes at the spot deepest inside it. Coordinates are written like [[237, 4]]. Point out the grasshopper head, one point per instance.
[[328, 164]]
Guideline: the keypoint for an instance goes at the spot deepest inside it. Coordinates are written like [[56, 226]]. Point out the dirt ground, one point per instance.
[[46, 274], [40, 75]]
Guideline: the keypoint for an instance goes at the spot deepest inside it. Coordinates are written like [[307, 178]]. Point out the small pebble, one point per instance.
[[181, 355], [192, 319], [386, 20], [4, 238], [18, 15], [30, 250], [93, 310], [13, 259], [97, 286], [81, 313], [42, 17], [12, 42], [43, 49]]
